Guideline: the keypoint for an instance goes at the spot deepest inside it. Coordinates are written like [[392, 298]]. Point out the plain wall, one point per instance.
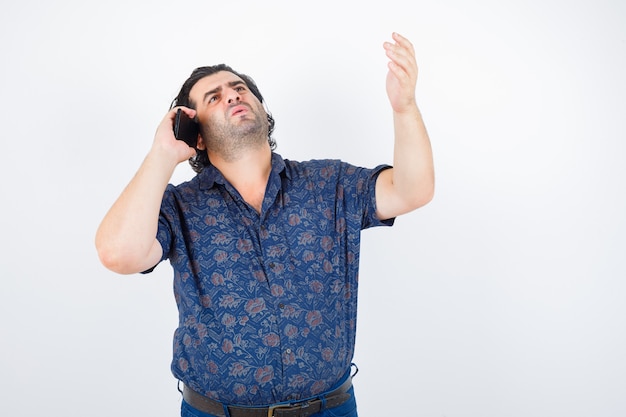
[[502, 297]]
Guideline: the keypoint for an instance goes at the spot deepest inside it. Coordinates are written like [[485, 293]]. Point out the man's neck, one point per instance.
[[248, 173]]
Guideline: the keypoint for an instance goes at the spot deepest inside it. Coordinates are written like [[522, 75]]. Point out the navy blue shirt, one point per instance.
[[267, 302]]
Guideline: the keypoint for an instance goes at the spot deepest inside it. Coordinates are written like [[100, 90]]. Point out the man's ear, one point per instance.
[[200, 143]]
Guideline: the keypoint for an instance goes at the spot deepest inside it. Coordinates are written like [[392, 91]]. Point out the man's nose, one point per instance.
[[233, 97]]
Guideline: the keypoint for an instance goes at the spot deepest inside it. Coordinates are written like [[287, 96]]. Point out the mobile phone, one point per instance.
[[186, 129]]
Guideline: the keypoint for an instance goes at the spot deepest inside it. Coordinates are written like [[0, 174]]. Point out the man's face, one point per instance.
[[231, 117]]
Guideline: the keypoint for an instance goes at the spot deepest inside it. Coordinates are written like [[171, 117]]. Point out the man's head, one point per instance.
[[198, 93]]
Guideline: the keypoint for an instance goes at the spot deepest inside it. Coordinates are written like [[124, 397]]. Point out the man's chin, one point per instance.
[[249, 127]]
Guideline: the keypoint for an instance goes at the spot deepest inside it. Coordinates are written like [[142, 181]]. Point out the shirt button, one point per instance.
[[272, 264], [288, 350], [281, 305]]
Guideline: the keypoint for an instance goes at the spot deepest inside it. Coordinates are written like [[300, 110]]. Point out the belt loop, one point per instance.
[[226, 412], [353, 365], [323, 407]]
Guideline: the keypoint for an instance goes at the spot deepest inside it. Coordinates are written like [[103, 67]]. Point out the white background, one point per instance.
[[505, 296]]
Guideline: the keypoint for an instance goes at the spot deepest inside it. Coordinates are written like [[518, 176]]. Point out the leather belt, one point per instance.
[[299, 409]]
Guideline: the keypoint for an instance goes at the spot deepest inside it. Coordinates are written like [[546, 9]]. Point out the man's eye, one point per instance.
[[212, 99], [240, 88]]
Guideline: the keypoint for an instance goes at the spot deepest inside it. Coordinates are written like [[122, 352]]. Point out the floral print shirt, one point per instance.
[[267, 301]]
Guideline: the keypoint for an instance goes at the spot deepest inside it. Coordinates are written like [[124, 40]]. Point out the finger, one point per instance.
[[167, 123], [189, 111], [402, 54], [404, 43], [400, 57], [401, 75], [399, 49], [398, 52], [400, 61]]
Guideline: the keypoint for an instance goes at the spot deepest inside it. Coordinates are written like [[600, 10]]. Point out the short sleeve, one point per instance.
[[369, 213], [164, 230]]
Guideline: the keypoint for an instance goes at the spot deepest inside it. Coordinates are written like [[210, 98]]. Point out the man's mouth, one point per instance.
[[239, 109]]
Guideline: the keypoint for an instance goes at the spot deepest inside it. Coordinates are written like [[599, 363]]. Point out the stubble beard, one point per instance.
[[231, 139]]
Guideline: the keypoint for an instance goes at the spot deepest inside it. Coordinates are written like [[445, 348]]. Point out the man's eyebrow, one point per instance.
[[210, 93], [218, 89]]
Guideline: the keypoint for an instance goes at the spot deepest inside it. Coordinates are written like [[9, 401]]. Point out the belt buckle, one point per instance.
[[272, 408]]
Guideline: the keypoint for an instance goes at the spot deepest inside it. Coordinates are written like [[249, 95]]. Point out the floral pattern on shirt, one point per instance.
[[267, 302]]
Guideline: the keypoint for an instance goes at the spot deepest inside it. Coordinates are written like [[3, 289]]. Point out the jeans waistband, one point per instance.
[[303, 408]]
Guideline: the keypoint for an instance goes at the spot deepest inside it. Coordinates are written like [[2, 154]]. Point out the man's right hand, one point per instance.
[[165, 142]]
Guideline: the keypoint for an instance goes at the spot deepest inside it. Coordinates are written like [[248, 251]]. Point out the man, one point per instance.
[[265, 250]]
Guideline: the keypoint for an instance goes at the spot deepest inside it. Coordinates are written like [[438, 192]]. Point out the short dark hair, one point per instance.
[[201, 160]]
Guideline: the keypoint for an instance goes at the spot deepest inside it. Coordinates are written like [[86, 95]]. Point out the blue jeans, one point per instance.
[[347, 409]]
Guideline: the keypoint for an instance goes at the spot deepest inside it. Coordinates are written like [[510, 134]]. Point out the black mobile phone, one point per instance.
[[186, 129]]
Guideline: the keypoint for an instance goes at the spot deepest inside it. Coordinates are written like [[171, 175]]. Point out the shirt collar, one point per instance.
[[210, 176]]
